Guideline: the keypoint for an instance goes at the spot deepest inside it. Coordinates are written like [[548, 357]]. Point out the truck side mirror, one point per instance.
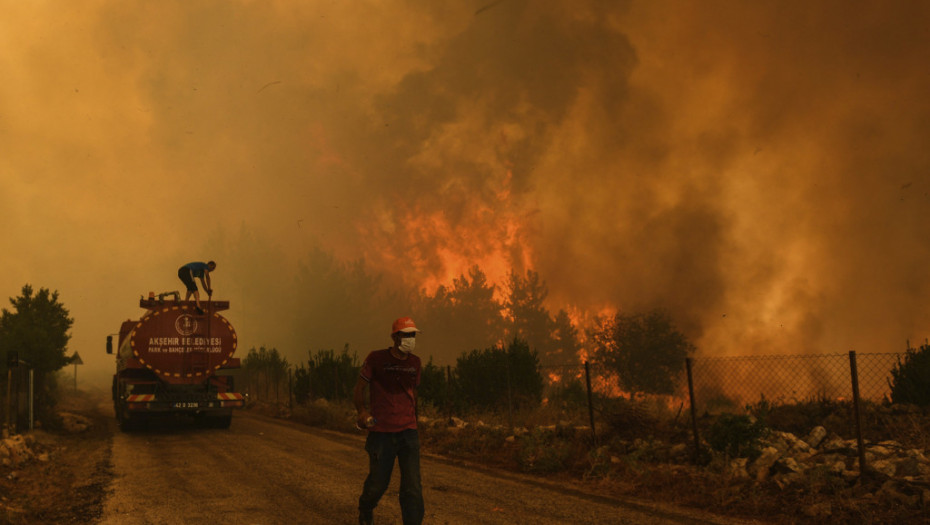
[[109, 344]]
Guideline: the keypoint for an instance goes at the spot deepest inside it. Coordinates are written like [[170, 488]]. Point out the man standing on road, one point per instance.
[[392, 376], [200, 270]]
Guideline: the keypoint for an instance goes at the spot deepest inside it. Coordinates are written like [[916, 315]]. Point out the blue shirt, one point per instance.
[[197, 268]]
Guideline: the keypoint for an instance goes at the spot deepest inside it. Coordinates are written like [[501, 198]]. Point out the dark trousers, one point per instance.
[[383, 448]]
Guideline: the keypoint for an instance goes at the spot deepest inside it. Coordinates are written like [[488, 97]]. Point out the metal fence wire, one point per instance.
[[720, 384], [725, 384]]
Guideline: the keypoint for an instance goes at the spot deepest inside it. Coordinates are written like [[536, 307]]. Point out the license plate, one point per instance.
[[187, 405]]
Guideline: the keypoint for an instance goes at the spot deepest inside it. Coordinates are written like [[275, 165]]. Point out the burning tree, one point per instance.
[[645, 350]]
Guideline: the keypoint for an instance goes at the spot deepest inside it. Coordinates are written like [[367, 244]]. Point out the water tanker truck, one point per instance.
[[175, 360]]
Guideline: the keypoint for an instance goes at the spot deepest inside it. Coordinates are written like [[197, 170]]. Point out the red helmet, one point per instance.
[[404, 324]]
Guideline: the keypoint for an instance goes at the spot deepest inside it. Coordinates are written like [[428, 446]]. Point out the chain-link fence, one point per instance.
[[727, 384], [522, 393]]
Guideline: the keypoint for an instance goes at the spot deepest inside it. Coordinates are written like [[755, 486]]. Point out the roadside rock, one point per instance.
[[74, 423], [16, 450], [786, 460]]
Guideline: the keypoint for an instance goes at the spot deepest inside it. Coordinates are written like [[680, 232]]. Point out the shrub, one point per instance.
[[331, 375], [629, 418], [434, 387], [570, 392], [737, 435], [544, 451], [494, 377], [799, 417], [909, 378]]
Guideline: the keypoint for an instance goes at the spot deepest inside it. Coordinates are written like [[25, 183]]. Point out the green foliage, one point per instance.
[[301, 384], [598, 463], [798, 417], [266, 372], [909, 383], [569, 392], [737, 435], [544, 451], [435, 387], [645, 350], [462, 316], [331, 375], [494, 377], [528, 317], [37, 329]]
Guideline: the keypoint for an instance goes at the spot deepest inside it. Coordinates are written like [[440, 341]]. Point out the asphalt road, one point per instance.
[[266, 471]]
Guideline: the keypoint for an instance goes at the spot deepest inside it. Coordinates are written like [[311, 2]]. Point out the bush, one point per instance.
[[799, 417], [570, 393], [544, 451], [494, 377], [737, 435], [332, 376], [909, 378], [434, 387], [628, 418]]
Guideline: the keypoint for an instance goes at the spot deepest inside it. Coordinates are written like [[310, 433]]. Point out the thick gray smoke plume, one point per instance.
[[760, 169]]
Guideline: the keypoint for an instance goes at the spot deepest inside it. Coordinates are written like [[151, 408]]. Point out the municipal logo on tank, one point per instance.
[[185, 324]]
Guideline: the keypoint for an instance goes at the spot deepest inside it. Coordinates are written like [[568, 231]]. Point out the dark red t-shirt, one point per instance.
[[392, 383]]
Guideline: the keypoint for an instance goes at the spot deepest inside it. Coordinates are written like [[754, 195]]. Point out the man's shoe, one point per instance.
[[365, 518]]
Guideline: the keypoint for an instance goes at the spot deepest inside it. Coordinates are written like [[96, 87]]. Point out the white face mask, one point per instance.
[[407, 344]]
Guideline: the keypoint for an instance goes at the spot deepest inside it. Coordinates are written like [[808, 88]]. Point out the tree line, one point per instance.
[[502, 345], [506, 344], [511, 343]]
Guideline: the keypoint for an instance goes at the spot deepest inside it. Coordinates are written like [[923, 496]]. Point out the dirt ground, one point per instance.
[[70, 486], [73, 484], [289, 474]]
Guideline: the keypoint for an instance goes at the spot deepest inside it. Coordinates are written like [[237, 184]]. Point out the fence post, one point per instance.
[[587, 378], [694, 427], [854, 373]]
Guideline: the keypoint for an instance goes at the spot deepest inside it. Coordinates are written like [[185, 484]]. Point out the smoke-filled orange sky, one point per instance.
[[761, 169]]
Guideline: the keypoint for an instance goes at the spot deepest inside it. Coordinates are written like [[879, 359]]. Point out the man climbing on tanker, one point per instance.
[[196, 270], [392, 376]]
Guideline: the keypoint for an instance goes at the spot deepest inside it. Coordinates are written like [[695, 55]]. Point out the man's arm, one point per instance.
[[206, 284], [358, 398]]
